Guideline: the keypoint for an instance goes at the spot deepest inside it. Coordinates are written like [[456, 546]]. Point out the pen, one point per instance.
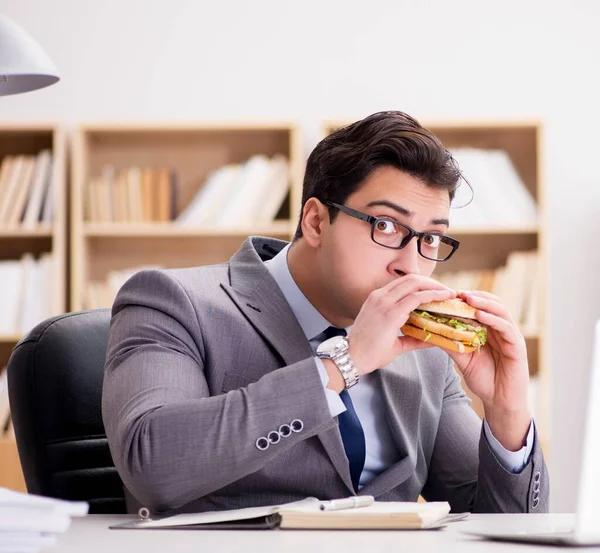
[[347, 503]]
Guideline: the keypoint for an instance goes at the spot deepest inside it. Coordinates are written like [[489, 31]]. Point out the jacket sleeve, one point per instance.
[[171, 441], [465, 472]]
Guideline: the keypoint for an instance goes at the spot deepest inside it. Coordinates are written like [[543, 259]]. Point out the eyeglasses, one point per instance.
[[389, 233]]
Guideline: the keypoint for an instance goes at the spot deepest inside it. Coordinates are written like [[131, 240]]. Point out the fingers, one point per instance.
[[479, 293], [482, 301], [397, 299], [412, 301], [508, 335], [408, 343], [413, 283], [410, 284]]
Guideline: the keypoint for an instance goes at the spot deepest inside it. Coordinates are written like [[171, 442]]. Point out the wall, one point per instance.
[[182, 60]]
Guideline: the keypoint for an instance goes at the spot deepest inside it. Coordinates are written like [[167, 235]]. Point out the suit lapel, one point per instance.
[[401, 391], [260, 299]]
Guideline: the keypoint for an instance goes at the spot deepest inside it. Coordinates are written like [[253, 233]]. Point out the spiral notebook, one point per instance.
[[308, 514]]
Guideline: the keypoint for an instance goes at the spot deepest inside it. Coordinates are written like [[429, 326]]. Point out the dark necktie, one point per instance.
[[351, 430]]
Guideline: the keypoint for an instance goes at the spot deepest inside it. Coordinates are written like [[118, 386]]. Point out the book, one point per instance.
[[11, 276], [164, 184], [11, 188], [212, 197], [41, 178], [500, 197], [308, 514], [48, 207], [246, 193], [19, 203], [275, 193]]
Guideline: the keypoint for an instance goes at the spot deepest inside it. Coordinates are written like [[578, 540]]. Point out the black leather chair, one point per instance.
[[55, 376]]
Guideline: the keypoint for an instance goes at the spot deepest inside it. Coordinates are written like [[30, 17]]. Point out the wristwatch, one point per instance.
[[336, 349]]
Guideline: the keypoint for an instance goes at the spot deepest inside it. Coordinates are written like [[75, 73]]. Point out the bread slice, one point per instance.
[[455, 307], [436, 339]]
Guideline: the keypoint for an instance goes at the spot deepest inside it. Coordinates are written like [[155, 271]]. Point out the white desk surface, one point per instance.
[[92, 535]]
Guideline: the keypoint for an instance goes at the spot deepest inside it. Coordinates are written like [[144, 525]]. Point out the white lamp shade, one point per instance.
[[24, 65]]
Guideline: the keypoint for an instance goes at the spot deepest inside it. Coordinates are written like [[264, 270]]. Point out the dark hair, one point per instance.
[[342, 161]]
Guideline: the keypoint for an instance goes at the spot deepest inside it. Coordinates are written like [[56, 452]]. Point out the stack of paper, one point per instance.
[[29, 523]]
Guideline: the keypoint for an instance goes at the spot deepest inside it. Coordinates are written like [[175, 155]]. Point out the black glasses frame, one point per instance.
[[452, 242]]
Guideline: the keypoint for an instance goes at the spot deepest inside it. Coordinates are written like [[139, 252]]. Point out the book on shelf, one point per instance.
[[235, 195], [214, 192], [500, 198], [26, 186], [308, 514], [239, 195], [515, 283], [27, 291], [132, 194]]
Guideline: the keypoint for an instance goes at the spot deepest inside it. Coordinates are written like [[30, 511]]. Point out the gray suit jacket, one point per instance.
[[202, 362]]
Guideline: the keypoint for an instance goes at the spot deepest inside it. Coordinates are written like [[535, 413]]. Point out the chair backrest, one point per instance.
[[55, 376]]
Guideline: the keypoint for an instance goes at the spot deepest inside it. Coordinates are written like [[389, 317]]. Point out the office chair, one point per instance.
[[55, 376]]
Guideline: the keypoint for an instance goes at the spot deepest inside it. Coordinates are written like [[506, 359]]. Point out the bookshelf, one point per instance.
[[489, 247], [39, 236], [193, 152]]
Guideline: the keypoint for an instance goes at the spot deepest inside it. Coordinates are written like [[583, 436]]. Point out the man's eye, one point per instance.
[[432, 240], [387, 227]]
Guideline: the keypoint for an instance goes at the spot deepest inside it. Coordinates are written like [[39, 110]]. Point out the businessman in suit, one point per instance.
[[282, 373]]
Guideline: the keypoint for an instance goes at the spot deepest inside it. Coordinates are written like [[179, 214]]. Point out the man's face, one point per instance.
[[351, 264]]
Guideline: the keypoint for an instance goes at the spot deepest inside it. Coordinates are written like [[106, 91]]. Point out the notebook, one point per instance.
[[308, 514]]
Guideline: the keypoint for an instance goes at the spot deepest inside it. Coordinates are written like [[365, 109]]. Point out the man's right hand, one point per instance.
[[373, 340]]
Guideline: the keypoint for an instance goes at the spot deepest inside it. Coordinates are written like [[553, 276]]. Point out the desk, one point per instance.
[[92, 535]]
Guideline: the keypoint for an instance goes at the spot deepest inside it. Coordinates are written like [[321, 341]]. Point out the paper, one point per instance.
[[10, 498], [224, 516], [29, 523]]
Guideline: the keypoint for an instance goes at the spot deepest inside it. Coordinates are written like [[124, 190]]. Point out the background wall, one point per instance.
[[182, 60]]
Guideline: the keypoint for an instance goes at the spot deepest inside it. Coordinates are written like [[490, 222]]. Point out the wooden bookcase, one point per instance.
[[488, 248], [30, 139], [194, 151]]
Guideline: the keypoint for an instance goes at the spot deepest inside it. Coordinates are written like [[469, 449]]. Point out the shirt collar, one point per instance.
[[311, 321]]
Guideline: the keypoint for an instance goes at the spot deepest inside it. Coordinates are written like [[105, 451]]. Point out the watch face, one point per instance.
[[328, 346]]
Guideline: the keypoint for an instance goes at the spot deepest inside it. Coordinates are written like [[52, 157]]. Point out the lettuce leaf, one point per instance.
[[480, 335]]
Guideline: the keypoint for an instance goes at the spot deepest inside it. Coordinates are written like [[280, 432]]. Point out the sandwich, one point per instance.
[[449, 324]]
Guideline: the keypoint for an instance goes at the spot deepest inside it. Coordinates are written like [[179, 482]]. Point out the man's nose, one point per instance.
[[407, 259]]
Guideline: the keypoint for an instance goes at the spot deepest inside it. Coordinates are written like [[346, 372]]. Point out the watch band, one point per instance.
[[341, 357]]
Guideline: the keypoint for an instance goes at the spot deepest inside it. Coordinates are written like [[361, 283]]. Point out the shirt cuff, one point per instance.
[[512, 461], [336, 405]]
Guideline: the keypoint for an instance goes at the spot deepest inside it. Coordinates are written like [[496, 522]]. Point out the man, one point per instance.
[[214, 397]]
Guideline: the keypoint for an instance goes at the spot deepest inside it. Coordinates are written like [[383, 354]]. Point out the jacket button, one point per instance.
[[536, 476], [536, 487], [285, 430], [536, 502], [262, 443], [297, 425], [273, 437]]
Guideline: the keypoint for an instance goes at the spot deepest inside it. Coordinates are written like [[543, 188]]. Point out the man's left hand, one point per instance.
[[498, 373]]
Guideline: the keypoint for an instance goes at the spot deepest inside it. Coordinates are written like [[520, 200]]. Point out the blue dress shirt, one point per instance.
[[381, 451]]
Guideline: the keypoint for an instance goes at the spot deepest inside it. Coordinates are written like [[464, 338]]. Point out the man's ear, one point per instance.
[[315, 218]]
